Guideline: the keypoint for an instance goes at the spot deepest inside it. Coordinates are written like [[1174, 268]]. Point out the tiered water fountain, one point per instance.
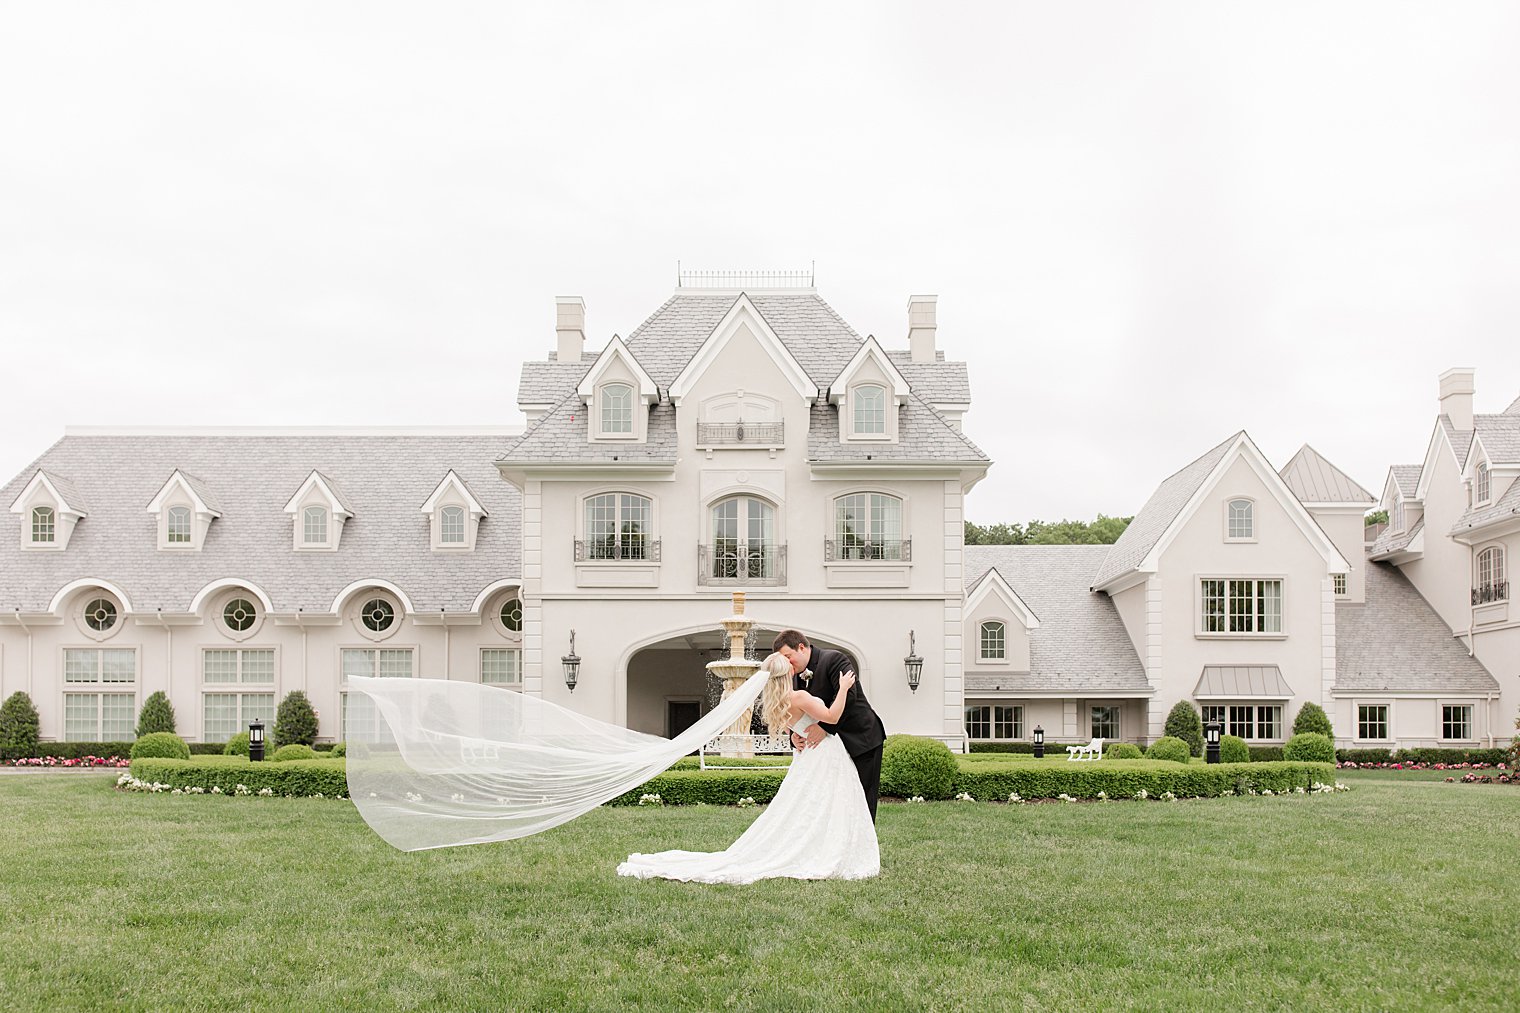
[[733, 670]]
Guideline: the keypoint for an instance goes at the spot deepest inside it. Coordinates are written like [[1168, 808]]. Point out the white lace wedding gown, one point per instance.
[[817, 827]]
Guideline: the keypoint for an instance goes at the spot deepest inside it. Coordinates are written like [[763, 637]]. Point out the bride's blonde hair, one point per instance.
[[776, 704]]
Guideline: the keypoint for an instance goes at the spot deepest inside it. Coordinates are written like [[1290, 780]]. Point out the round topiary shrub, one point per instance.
[[1123, 751], [294, 751], [1168, 747], [295, 721], [1311, 747], [18, 727], [157, 715], [1233, 749], [1185, 724], [162, 746], [237, 745], [912, 765], [341, 749], [1312, 718]]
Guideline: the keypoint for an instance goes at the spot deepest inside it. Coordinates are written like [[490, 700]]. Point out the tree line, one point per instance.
[[1103, 531]]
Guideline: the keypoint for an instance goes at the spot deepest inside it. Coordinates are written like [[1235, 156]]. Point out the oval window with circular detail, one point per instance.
[[378, 614], [511, 615], [100, 614], [239, 614]]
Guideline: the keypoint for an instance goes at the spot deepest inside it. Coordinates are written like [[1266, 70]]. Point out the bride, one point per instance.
[[817, 826]]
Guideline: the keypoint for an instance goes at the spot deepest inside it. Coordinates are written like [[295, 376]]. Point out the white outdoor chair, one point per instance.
[[1092, 751]]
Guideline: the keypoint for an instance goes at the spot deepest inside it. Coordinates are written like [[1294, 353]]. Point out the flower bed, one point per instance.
[[222, 775], [1415, 765], [1125, 779], [70, 761]]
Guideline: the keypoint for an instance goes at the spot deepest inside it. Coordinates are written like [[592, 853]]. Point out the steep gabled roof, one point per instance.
[[451, 480], [1499, 436], [329, 489], [1507, 507], [923, 434], [938, 382], [1407, 478], [1315, 480], [204, 501], [1391, 542], [1397, 643], [870, 351], [1081, 646], [616, 351], [1514, 408], [993, 583], [61, 489]]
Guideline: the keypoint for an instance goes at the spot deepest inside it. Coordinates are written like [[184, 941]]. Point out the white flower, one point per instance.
[[746, 802], [1065, 797], [1268, 791], [266, 792], [651, 798], [1299, 790], [1142, 795], [216, 789], [1102, 796], [964, 796], [1013, 796], [916, 798], [1167, 796], [1228, 791], [413, 797], [456, 797]]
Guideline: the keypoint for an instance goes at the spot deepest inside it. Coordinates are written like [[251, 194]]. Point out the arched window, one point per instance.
[[744, 540], [451, 525], [1480, 484], [994, 641], [617, 408], [1492, 585], [179, 525], [870, 403], [42, 525], [617, 526], [314, 525], [1242, 524], [868, 525]]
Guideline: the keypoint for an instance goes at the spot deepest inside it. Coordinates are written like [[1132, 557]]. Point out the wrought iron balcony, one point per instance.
[[895, 549], [754, 434], [627, 548], [728, 563], [1485, 593]]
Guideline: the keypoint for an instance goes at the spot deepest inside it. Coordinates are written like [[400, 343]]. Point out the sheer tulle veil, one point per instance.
[[434, 763]]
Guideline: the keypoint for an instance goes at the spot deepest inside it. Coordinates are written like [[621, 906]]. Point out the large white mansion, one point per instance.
[[751, 439]]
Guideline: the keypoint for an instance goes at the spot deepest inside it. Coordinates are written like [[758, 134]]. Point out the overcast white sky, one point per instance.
[[1149, 225]]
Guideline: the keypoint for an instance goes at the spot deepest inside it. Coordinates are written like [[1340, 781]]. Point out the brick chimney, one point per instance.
[[570, 327], [921, 312], [1457, 396]]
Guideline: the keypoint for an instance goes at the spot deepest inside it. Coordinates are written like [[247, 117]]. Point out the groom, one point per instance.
[[817, 670]]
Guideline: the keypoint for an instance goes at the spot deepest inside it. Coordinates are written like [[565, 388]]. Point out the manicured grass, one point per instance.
[[1397, 895]]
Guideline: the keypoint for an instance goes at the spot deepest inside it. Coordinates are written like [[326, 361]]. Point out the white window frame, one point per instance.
[[1003, 722], [1397, 519], [1115, 720], [375, 671], [1482, 484], [98, 688], [611, 416], [501, 652], [1490, 567], [1472, 717], [1387, 720], [880, 519], [175, 534], [996, 639], [1236, 716], [452, 520], [1339, 584], [250, 704], [860, 406], [318, 514], [1240, 526], [51, 525], [745, 521], [1261, 614], [623, 513]]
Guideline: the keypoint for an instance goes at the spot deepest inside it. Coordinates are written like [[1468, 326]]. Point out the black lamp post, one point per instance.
[[913, 664], [572, 663], [1039, 742], [1211, 742], [255, 740]]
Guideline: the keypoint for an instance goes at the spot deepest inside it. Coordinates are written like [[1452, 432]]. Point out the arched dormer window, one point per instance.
[[1241, 524], [314, 525], [451, 525], [869, 409], [179, 525], [868, 525], [1481, 485], [616, 409], [1492, 585], [1398, 516], [43, 530], [994, 641]]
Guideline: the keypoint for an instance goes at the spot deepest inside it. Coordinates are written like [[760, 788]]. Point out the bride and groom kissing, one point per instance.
[[821, 823]]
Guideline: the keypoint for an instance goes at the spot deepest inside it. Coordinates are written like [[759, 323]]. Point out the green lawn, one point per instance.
[[1396, 895]]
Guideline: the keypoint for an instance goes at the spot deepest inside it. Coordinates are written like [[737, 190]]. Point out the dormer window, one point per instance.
[[617, 409], [1398, 516], [454, 515], [179, 525], [1481, 485], [42, 525], [1241, 522], [48, 508], [451, 525], [994, 646], [314, 526], [870, 410], [317, 512]]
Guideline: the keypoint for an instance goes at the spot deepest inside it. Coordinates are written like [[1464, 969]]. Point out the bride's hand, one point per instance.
[[846, 681]]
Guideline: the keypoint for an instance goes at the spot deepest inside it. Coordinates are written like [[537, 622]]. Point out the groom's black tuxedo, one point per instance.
[[859, 728]]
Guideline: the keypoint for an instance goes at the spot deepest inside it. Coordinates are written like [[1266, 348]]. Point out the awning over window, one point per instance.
[[1242, 682]]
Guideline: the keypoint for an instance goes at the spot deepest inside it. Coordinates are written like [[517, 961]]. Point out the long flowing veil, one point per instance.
[[434, 763]]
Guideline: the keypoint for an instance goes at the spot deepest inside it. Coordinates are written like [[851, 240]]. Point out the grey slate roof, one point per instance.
[[254, 476], [1391, 541], [1457, 438], [1507, 506], [1407, 478], [1157, 515], [546, 382], [1397, 643], [939, 382], [1263, 682], [816, 336], [64, 487], [1514, 408], [1500, 436], [1081, 646], [1315, 480], [201, 489], [336, 490]]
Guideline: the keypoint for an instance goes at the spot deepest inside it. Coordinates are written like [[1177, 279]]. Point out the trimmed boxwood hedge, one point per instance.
[[166, 745], [1234, 749], [1123, 778], [293, 777], [714, 787]]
